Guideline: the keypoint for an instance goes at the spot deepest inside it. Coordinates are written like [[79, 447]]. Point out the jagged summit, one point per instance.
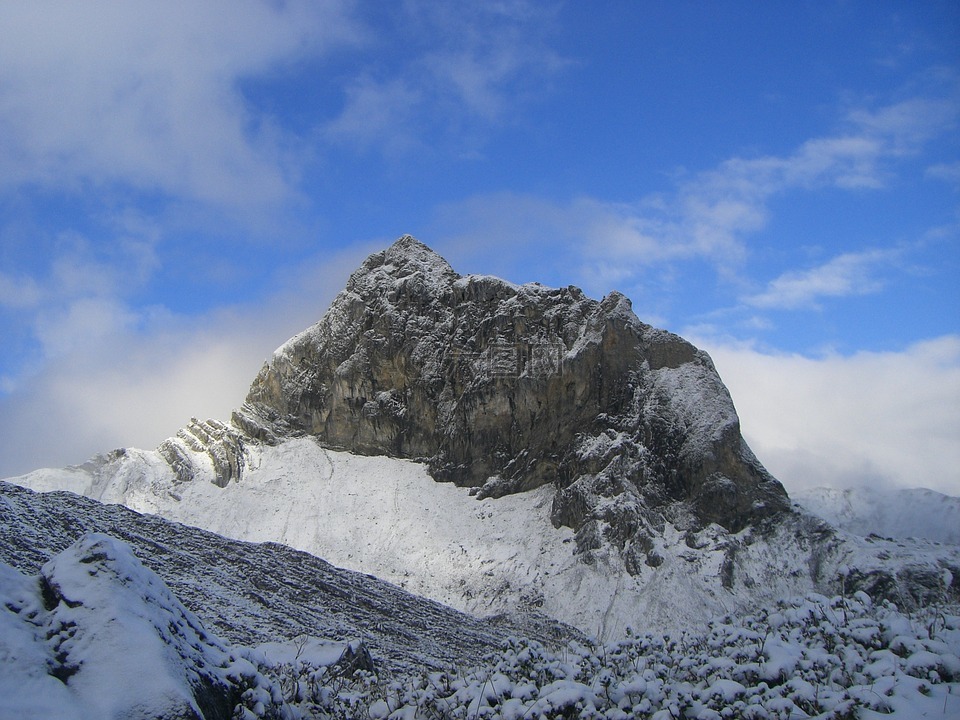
[[505, 388], [407, 255]]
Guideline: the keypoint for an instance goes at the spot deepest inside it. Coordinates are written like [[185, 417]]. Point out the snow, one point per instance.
[[705, 676], [305, 650], [897, 513], [389, 518], [98, 635], [126, 647], [27, 690], [492, 281]]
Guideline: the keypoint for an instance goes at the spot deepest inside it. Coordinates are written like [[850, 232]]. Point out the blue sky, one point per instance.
[[185, 185]]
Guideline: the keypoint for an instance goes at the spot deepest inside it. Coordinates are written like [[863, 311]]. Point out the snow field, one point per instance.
[[391, 519]]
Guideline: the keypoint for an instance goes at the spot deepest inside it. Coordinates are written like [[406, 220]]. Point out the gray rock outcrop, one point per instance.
[[504, 388]]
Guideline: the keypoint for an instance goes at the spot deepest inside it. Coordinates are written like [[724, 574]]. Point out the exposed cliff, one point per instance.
[[549, 407], [505, 388]]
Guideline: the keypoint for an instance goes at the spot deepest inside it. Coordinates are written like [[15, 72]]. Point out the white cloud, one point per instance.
[[948, 172], [84, 322], [843, 276], [116, 377], [18, 292], [465, 68], [710, 216], [377, 115], [906, 125], [890, 418], [78, 298], [147, 94], [489, 54]]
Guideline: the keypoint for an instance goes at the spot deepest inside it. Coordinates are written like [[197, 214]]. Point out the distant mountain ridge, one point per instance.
[[897, 513]]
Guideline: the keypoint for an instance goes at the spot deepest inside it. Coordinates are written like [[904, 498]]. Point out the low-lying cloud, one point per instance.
[[868, 419], [132, 384]]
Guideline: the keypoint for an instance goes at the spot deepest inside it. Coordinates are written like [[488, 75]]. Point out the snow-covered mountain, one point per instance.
[[598, 471], [896, 513], [517, 453], [389, 518]]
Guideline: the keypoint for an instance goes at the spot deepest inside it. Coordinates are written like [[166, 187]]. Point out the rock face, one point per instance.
[[219, 441], [505, 388]]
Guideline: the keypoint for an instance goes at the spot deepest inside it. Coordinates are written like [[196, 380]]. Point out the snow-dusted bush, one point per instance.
[[96, 634], [813, 657]]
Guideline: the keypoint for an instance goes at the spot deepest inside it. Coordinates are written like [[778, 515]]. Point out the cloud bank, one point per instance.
[[134, 383], [867, 419], [148, 94]]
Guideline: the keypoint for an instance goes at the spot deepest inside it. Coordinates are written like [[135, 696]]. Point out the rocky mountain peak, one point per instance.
[[406, 261], [504, 388]]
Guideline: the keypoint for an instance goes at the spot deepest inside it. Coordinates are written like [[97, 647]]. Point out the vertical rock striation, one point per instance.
[[505, 388]]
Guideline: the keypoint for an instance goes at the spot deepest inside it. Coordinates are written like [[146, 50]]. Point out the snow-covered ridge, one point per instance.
[[897, 513], [251, 594], [389, 518]]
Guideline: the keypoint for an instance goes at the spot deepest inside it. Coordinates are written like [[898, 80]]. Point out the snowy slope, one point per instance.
[[250, 594], [898, 513], [385, 517], [389, 518], [98, 635]]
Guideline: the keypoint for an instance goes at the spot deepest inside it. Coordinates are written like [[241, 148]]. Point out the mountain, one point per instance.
[[506, 388], [503, 448], [900, 513]]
